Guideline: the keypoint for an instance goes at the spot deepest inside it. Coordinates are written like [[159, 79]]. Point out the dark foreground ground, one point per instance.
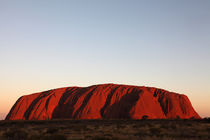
[[106, 130]]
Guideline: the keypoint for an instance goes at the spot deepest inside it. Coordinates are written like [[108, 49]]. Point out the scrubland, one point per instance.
[[106, 130]]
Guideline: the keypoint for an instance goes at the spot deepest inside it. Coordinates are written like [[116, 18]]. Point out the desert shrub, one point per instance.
[[35, 137], [51, 130], [192, 118], [173, 126], [164, 126], [100, 138], [207, 119], [142, 133], [177, 117], [79, 127], [3, 138], [145, 117], [118, 126], [208, 129], [114, 138], [155, 131], [87, 137], [54, 137], [135, 126], [15, 134]]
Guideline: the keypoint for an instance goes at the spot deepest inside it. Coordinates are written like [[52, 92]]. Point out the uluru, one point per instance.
[[105, 101]]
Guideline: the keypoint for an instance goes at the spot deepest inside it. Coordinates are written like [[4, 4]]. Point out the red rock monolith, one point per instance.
[[106, 101]]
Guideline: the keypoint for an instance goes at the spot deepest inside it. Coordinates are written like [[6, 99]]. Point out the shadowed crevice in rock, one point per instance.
[[34, 103], [159, 92], [164, 103], [108, 101], [48, 100], [64, 109], [183, 105], [84, 103], [121, 109], [163, 100]]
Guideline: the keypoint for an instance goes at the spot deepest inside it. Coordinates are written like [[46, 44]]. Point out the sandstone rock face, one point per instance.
[[107, 101]]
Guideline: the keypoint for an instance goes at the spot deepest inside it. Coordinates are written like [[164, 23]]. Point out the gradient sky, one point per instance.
[[46, 44]]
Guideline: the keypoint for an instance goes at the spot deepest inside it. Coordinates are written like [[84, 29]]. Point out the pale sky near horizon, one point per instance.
[[47, 44]]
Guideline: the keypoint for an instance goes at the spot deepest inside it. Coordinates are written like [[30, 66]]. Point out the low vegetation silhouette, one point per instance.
[[145, 129]]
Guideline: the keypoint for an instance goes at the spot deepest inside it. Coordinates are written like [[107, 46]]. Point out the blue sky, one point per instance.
[[47, 44]]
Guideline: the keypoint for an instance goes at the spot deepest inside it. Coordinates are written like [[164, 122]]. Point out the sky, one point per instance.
[[47, 44]]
